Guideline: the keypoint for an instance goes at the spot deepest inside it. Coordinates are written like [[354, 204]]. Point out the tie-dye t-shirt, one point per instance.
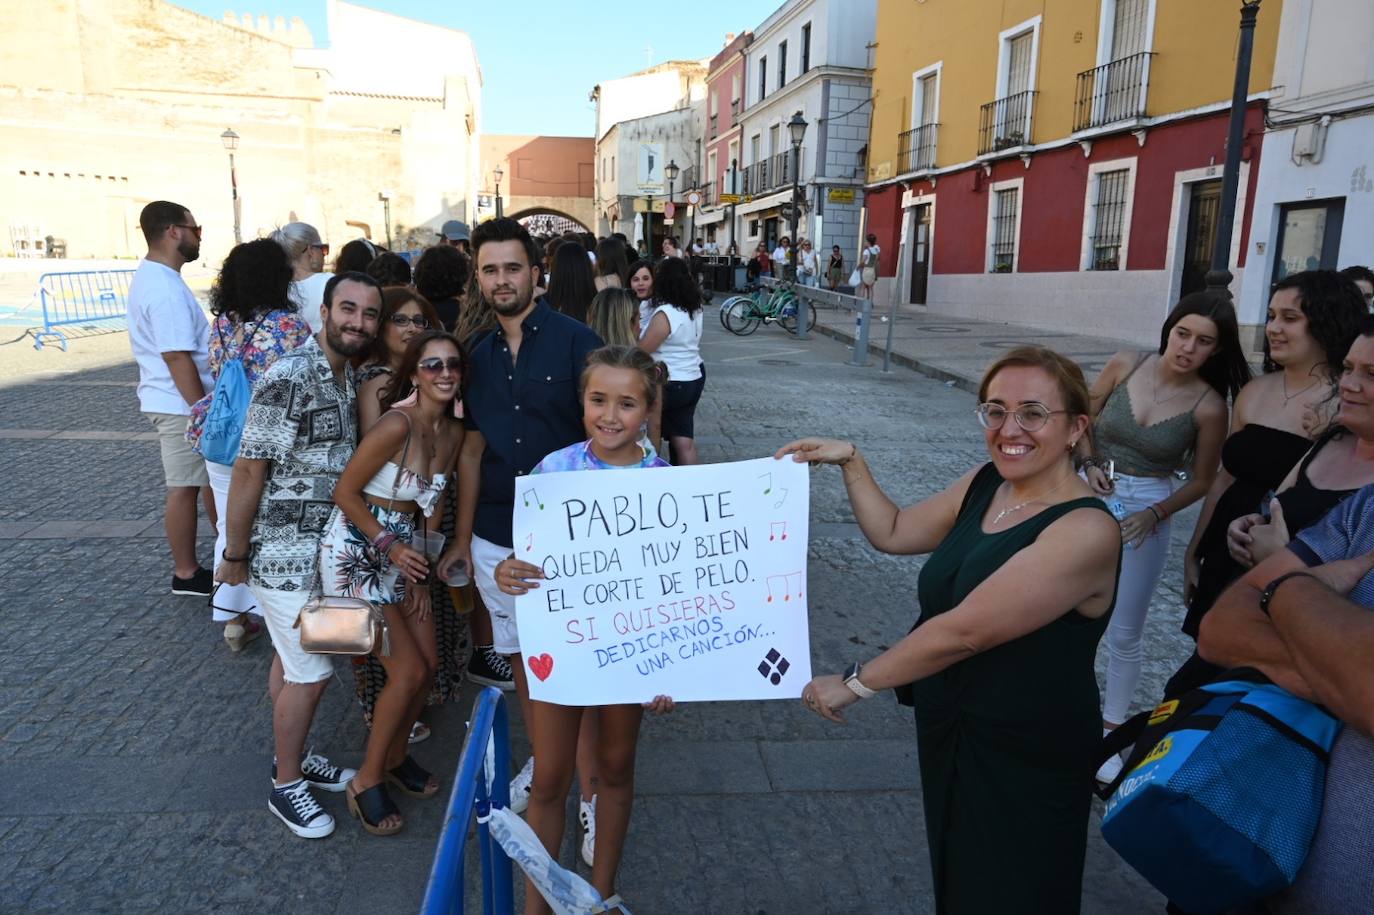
[[580, 457]]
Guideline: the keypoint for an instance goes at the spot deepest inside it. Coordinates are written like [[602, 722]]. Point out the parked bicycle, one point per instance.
[[742, 314]]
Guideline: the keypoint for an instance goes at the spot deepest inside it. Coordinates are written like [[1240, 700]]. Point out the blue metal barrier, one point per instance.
[[444, 895], [81, 297]]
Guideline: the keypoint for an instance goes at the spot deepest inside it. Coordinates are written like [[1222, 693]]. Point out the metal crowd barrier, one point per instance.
[[863, 317], [472, 796], [81, 298]]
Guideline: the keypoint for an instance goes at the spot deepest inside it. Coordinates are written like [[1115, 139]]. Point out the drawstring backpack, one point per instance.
[[219, 437]]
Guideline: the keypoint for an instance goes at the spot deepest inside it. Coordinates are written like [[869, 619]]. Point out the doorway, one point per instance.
[[920, 254], [1204, 205]]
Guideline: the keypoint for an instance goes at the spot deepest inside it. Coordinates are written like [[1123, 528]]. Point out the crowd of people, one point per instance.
[[393, 408]]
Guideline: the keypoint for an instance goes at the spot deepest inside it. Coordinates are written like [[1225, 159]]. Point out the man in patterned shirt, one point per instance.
[[298, 436]]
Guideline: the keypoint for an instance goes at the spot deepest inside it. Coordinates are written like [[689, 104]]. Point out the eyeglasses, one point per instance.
[[419, 322], [1031, 417], [434, 365], [195, 229], [324, 249]]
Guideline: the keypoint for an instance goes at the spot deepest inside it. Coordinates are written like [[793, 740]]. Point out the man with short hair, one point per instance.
[[171, 338], [455, 234], [521, 404], [1303, 617], [299, 435]]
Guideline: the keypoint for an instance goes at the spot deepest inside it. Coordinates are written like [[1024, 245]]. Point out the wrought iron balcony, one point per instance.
[[1112, 92], [1005, 123], [713, 127], [916, 148], [770, 174]]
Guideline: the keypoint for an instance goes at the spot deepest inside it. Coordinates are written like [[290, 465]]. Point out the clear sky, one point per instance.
[[541, 58]]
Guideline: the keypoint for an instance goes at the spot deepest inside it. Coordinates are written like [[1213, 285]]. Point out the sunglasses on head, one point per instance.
[[419, 321], [434, 365]]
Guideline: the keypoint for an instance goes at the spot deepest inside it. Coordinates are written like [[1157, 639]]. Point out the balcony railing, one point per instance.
[[713, 126], [916, 148], [770, 174], [708, 194], [1112, 92], [1005, 123]]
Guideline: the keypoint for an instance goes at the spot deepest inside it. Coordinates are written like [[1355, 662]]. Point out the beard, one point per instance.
[[189, 249], [333, 333], [514, 306]]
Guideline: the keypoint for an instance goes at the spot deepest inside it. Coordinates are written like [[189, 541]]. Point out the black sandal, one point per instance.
[[371, 807], [411, 778]]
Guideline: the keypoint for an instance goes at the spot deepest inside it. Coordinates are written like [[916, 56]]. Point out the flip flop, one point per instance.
[[371, 807], [412, 779], [419, 733]]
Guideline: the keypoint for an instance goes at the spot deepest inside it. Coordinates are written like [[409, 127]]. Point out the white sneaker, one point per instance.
[[586, 814], [520, 787], [1110, 770]]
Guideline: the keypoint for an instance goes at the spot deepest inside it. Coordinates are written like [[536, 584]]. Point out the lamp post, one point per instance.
[[385, 198], [231, 143], [797, 128], [1219, 277], [670, 171], [498, 174]]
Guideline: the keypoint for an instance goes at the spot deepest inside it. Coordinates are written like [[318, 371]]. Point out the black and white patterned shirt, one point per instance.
[[304, 424]]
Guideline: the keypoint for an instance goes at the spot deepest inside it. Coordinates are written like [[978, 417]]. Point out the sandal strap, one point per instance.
[[375, 804], [412, 774]]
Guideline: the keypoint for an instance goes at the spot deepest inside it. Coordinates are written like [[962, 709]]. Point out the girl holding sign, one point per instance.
[[619, 388]]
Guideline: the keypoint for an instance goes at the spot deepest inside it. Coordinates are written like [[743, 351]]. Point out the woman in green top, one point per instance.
[[1014, 598]]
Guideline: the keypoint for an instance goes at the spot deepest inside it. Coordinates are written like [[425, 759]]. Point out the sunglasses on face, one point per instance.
[[418, 321], [1032, 416], [324, 249], [195, 229], [434, 365]]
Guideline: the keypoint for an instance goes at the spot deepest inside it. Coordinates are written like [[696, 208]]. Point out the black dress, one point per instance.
[[1007, 737], [1259, 458]]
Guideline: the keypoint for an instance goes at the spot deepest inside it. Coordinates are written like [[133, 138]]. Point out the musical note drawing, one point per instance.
[[785, 587], [529, 543], [777, 530], [533, 492], [781, 499], [768, 482]]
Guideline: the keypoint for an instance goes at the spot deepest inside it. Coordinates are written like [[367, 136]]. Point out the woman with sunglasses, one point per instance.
[[1156, 414], [1014, 598], [405, 315], [387, 493]]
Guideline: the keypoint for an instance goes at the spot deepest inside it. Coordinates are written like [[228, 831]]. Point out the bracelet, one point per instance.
[[384, 541], [224, 555], [1159, 519]]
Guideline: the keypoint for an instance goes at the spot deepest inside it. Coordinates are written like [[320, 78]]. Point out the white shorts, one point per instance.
[[279, 610], [500, 605]]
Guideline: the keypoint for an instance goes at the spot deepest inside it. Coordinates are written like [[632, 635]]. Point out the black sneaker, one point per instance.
[[490, 669], [295, 806], [200, 584], [321, 773]]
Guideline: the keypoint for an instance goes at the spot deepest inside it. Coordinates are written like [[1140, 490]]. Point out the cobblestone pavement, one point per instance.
[[134, 749]]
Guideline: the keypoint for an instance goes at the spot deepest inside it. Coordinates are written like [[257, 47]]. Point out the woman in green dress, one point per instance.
[[1014, 599]]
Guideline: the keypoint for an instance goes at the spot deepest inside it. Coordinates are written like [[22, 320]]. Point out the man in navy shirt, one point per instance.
[[521, 404]]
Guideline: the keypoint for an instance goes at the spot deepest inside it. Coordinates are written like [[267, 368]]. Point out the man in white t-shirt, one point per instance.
[[170, 338]]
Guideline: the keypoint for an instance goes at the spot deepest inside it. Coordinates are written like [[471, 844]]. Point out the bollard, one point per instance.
[[891, 323], [863, 316]]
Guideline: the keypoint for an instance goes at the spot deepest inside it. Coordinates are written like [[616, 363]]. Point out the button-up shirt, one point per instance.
[[303, 422], [525, 408]]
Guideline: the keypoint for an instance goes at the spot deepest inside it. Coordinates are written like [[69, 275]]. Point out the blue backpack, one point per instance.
[[219, 437], [1219, 799]]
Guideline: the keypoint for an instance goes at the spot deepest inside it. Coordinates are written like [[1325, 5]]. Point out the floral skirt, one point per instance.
[[349, 567]]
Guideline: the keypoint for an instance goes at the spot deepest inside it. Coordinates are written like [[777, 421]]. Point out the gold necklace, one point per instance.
[[1016, 508], [1283, 380]]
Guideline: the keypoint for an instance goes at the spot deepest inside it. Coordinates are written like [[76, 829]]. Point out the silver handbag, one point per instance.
[[342, 625]]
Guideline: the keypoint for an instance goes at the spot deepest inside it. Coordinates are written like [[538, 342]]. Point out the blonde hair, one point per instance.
[[295, 238], [614, 314], [625, 357]]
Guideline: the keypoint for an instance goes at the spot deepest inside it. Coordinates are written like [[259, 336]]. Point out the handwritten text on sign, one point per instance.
[[687, 582]]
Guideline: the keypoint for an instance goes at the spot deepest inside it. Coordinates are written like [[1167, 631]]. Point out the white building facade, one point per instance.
[[631, 173], [1314, 203], [810, 57]]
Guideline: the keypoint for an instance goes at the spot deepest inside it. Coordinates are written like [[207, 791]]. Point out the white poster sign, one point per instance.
[[687, 582], [650, 170]]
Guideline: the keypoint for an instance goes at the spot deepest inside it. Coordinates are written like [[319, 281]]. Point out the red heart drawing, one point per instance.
[[542, 665]]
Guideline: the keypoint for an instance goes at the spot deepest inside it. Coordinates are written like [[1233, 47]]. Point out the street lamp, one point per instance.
[[797, 128], [231, 143], [385, 198], [1219, 277], [498, 174]]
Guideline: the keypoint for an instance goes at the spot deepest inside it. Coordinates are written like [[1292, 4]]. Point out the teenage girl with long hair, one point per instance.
[[1156, 414], [619, 386], [673, 335]]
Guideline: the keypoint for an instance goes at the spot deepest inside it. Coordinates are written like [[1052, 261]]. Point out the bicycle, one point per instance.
[[742, 314]]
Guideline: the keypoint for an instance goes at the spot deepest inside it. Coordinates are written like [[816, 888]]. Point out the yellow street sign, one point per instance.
[[840, 195], [728, 198]]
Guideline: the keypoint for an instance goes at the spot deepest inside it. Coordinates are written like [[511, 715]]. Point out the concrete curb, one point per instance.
[[962, 382]]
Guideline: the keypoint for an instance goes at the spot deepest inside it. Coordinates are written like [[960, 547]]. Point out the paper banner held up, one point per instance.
[[686, 581]]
